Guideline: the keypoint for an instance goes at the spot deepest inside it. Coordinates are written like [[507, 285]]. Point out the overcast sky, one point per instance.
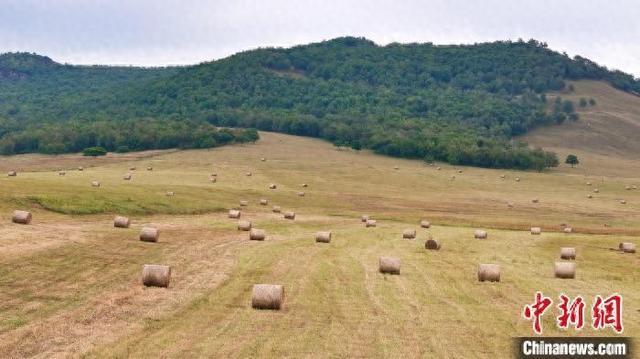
[[167, 32]]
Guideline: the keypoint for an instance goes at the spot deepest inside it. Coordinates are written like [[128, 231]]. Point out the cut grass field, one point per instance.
[[70, 282]]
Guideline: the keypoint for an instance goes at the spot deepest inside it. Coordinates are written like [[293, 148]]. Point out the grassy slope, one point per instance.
[[69, 284]]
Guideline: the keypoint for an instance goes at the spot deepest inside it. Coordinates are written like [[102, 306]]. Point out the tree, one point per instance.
[[94, 151], [583, 102], [572, 160]]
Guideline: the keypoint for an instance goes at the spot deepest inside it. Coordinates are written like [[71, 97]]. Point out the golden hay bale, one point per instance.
[[509, 204], [127, 177], [267, 296], [568, 230], [95, 184], [459, 171], [409, 234], [121, 222], [249, 174], [263, 159], [301, 194], [170, 193], [213, 179], [244, 225], [21, 217], [132, 168], [489, 272], [480, 234], [257, 234], [323, 236], [62, 173], [503, 176], [264, 202], [517, 179], [567, 253], [277, 209], [595, 190], [80, 168], [627, 247], [12, 174], [536, 230], [304, 185], [214, 174], [272, 186], [396, 168], [589, 196], [149, 234], [628, 188], [425, 224], [634, 187], [565, 270], [289, 215], [244, 203], [438, 168], [370, 223], [389, 265], [365, 218], [622, 201], [535, 200], [432, 244], [149, 168], [156, 275], [234, 213], [588, 183]]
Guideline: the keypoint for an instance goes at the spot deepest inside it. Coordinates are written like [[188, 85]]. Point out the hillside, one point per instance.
[[461, 103]]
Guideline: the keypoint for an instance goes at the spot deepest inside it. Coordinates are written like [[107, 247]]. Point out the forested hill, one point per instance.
[[460, 104]]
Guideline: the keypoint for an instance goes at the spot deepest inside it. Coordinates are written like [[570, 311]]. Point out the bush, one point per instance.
[[94, 151]]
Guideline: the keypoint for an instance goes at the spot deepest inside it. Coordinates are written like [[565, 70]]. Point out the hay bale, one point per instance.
[[121, 222], [264, 202], [396, 168], [595, 190], [156, 275], [234, 213], [536, 230], [149, 234], [214, 174], [170, 193], [289, 215], [12, 174], [565, 270], [634, 187], [244, 203], [21, 217], [488, 272], [409, 234], [244, 225], [503, 176], [568, 230], [459, 171], [425, 224], [304, 185], [432, 244], [589, 196], [588, 183], [389, 265], [249, 174], [257, 234], [567, 253], [80, 168], [370, 223], [517, 179], [62, 173], [627, 247], [301, 194], [438, 168], [480, 234], [263, 159], [365, 218], [622, 201], [509, 204], [267, 296], [272, 186], [323, 237], [213, 179], [149, 168], [628, 188], [127, 177], [535, 200], [277, 209], [95, 184], [132, 168]]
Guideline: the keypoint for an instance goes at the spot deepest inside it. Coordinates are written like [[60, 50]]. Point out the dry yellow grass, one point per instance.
[[70, 282]]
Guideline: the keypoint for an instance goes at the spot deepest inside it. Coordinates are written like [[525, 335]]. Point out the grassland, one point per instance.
[[70, 286]]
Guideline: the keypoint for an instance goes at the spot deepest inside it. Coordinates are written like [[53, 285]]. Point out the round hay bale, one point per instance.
[[628, 188], [425, 224], [536, 230], [244, 225], [149, 234], [234, 213], [595, 190], [396, 168], [365, 218], [121, 222], [480, 234], [214, 174], [95, 184], [588, 183], [132, 168], [509, 204], [264, 202], [567, 253], [370, 223], [272, 186], [21, 217], [170, 193], [503, 176], [301, 194], [622, 201], [263, 159], [432, 244], [257, 234], [244, 203], [389, 265], [489, 272], [249, 174], [627, 247], [62, 173], [589, 196], [459, 171], [213, 179], [517, 179], [12, 174], [565, 270], [156, 275], [267, 296], [323, 237], [304, 185], [289, 215], [535, 200], [80, 168], [127, 177], [277, 209], [438, 168], [149, 168], [634, 187], [568, 230], [409, 234]]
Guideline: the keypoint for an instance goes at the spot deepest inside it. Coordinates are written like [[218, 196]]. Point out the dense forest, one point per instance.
[[459, 104]]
